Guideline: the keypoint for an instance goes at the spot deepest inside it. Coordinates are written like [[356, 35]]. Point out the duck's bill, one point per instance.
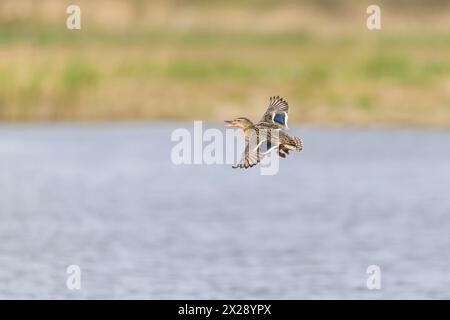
[[229, 123]]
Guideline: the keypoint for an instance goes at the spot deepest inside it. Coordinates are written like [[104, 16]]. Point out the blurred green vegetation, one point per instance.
[[339, 74]]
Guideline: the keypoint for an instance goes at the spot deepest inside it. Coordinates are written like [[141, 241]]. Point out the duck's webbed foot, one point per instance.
[[283, 152]]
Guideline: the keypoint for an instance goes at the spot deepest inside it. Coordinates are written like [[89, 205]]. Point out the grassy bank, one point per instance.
[[216, 71]]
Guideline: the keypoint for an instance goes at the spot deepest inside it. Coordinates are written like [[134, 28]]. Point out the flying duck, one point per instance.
[[267, 134]]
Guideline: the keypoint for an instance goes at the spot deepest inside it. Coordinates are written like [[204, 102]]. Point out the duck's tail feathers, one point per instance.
[[297, 143]]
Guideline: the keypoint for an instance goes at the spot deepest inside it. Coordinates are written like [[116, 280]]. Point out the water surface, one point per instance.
[[109, 199]]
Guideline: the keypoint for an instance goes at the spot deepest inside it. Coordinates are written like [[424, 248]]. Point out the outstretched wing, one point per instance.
[[250, 158], [277, 113], [253, 156]]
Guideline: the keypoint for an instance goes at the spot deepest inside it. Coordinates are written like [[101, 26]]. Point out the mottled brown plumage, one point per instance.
[[266, 135]]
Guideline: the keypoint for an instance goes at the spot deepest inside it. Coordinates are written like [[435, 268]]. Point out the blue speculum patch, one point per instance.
[[280, 118]]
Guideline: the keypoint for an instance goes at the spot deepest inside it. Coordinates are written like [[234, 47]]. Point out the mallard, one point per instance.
[[267, 134]]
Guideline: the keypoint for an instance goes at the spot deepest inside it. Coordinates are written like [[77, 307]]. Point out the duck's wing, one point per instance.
[[277, 113], [253, 155], [249, 158]]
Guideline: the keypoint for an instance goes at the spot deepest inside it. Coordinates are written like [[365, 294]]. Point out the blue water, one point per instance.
[[108, 199]]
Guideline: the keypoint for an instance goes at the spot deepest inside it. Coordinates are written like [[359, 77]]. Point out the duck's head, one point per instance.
[[240, 122]]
